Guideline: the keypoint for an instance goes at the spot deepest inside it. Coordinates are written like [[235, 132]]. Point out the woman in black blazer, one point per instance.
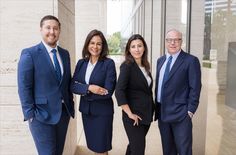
[[134, 94]]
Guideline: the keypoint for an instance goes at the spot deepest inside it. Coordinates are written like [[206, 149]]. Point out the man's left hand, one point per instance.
[[190, 114]]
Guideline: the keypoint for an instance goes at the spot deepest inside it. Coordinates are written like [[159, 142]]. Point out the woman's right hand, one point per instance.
[[135, 117], [97, 90]]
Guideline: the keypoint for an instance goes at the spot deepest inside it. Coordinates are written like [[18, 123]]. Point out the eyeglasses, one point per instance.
[[176, 40]]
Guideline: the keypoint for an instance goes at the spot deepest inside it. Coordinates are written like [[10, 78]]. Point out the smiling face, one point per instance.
[[95, 46], [50, 31], [173, 41], [137, 49]]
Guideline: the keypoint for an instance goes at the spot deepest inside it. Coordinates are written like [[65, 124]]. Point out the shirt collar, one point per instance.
[[49, 48], [174, 55], [92, 65]]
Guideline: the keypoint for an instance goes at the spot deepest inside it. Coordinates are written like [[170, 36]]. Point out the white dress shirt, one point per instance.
[[49, 49]]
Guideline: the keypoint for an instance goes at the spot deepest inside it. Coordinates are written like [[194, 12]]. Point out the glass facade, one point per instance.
[[219, 55], [220, 39], [152, 19]]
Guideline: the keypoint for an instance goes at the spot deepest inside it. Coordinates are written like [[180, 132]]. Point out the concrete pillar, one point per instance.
[[19, 28], [66, 15], [197, 36]]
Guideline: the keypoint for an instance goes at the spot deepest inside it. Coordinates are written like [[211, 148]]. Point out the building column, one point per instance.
[[196, 47], [19, 28], [66, 15]]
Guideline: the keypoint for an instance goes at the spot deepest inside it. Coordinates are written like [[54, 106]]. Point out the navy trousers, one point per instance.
[[49, 138], [176, 137]]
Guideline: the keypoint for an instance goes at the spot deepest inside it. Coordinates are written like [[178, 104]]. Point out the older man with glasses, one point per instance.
[[178, 86]]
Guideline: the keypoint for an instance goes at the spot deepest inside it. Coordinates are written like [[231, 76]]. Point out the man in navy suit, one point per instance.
[[178, 86], [44, 76]]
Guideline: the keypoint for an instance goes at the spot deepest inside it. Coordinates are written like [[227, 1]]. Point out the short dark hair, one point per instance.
[[50, 17], [129, 58], [105, 50]]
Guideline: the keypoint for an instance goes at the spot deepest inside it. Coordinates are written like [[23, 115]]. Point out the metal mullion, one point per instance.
[[163, 27], [188, 29]]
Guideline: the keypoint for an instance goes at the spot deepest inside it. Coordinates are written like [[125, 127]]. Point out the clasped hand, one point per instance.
[[97, 90]]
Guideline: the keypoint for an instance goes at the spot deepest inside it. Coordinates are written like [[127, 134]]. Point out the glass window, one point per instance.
[[176, 17], [219, 57]]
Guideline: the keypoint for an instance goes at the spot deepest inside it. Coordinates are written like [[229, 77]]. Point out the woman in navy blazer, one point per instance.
[[134, 94], [95, 79]]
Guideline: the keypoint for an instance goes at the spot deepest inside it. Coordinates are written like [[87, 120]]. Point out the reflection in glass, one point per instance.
[[219, 37]]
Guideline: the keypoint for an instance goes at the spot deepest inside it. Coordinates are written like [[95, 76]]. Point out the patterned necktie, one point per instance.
[[56, 64], [166, 74]]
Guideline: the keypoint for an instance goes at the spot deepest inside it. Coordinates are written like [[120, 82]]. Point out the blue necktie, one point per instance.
[[56, 64], [166, 74]]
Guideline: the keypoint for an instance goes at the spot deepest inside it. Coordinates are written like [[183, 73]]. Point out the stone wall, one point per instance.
[[19, 28], [66, 14]]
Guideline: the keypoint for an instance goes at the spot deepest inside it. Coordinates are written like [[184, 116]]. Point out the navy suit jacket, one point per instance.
[[181, 91], [40, 93], [104, 75]]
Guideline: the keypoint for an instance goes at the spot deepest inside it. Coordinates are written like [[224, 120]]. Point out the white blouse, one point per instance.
[[148, 78], [89, 71]]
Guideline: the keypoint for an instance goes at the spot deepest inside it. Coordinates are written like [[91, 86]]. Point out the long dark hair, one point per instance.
[[104, 52], [129, 58]]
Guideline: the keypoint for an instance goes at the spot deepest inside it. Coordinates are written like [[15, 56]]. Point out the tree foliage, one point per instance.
[[114, 43]]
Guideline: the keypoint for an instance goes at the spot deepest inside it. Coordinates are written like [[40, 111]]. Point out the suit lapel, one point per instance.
[[63, 59], [83, 70], [48, 59], [177, 63], [96, 70], [141, 74], [50, 63], [142, 77], [161, 62]]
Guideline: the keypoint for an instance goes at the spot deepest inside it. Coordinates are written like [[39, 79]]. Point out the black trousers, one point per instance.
[[137, 138]]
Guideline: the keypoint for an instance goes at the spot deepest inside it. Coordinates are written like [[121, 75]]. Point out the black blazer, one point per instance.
[[132, 89]]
